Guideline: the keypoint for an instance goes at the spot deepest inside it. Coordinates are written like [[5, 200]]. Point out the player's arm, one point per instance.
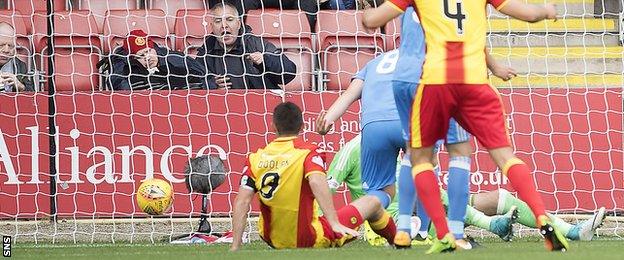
[[339, 107], [246, 192], [377, 17], [239, 218], [319, 187], [499, 70], [526, 12]]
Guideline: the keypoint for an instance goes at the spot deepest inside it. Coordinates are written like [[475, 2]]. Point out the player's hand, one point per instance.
[[551, 11], [322, 125], [343, 230], [504, 72], [256, 57], [223, 82]]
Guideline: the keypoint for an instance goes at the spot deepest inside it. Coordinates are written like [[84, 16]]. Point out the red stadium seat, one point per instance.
[[99, 8], [75, 70], [289, 30], [345, 46], [77, 48], [28, 7], [171, 8], [191, 27], [23, 42], [119, 23]]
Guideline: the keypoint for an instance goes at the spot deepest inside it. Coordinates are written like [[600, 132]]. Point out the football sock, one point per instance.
[[525, 216], [350, 216], [560, 225], [458, 193], [384, 227], [424, 218], [382, 196], [429, 193], [506, 201], [477, 218], [521, 180], [407, 195]]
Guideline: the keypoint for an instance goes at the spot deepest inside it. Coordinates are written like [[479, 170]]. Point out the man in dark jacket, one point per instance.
[[13, 72], [150, 66], [239, 60]]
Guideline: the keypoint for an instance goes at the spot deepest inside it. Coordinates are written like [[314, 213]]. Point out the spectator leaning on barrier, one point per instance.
[[151, 66], [13, 72], [240, 60]]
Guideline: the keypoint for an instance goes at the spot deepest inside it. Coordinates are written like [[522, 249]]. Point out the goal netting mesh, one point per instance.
[[564, 112]]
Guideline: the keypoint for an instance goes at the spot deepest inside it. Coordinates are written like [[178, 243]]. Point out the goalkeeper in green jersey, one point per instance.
[[494, 211]]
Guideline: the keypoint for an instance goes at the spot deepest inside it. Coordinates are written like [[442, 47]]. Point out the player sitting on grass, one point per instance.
[[289, 176], [494, 211]]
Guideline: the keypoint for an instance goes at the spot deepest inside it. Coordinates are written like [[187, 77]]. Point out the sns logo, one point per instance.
[[6, 246]]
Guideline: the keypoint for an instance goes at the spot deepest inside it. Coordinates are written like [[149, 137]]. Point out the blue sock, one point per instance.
[[406, 195], [383, 197], [424, 219], [458, 194]]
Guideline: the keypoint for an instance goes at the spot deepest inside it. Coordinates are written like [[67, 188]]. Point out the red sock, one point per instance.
[[384, 227], [350, 216], [521, 180], [429, 193]]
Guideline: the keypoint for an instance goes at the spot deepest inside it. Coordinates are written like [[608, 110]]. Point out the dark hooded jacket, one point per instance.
[[276, 69], [175, 71]]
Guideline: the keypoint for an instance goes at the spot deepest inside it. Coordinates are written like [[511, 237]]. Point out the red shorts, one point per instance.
[[347, 216], [476, 107]]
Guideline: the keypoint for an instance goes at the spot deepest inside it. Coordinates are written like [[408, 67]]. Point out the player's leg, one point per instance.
[[380, 147], [406, 203], [404, 97], [481, 113], [369, 208], [459, 150], [501, 201], [501, 225], [430, 115]]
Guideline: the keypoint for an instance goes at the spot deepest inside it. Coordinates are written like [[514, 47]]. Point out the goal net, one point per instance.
[[76, 149]]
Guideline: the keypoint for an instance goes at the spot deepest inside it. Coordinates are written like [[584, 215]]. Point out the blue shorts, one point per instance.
[[381, 143], [404, 93]]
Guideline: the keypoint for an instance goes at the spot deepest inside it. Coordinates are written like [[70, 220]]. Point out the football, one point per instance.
[[154, 196]]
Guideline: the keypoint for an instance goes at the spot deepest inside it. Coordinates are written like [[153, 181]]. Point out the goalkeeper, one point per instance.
[[494, 211]]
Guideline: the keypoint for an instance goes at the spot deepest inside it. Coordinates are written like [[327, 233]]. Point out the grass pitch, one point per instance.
[[526, 248]]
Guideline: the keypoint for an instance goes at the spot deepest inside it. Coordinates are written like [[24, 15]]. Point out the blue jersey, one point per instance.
[[412, 49], [377, 96]]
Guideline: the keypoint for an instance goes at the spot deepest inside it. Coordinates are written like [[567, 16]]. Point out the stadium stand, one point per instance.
[[171, 8], [100, 8], [77, 48], [345, 46], [191, 26], [288, 30], [579, 50], [28, 8], [119, 23]]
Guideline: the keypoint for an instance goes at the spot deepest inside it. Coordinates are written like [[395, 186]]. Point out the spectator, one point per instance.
[[13, 72], [150, 66], [241, 60]]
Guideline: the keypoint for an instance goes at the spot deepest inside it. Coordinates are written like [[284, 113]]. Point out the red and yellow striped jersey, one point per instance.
[[455, 35], [278, 173]]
